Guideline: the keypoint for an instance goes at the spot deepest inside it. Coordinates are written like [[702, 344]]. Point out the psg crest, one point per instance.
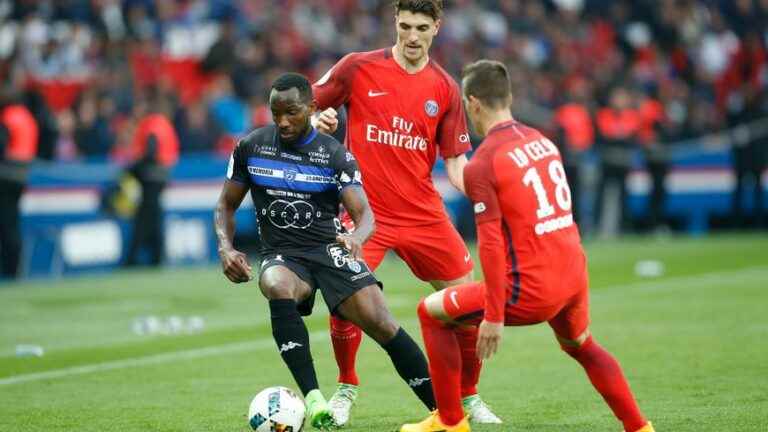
[[431, 108]]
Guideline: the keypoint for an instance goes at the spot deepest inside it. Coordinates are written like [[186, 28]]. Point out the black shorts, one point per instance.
[[328, 268]]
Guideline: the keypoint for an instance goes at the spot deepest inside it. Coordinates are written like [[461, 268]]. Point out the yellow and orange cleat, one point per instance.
[[434, 424], [647, 428]]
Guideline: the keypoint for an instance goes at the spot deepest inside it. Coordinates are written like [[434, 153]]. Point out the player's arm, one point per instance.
[[331, 91], [454, 167], [356, 203], [353, 198], [233, 262], [482, 192], [491, 250], [326, 121], [453, 139]]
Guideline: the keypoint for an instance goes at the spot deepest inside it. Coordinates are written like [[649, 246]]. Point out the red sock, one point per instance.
[[470, 363], [608, 379], [444, 366], [346, 338]]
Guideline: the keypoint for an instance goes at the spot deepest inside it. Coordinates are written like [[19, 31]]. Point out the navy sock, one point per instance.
[[292, 340], [412, 366]]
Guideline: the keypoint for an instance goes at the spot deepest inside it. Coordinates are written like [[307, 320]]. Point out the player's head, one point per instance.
[[292, 104], [417, 23], [486, 90]]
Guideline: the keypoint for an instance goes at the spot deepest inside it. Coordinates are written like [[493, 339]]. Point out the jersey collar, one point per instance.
[[502, 125], [307, 138], [301, 142]]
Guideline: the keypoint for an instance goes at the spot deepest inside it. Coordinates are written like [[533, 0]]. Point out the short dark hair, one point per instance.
[[487, 80], [432, 8], [291, 80]]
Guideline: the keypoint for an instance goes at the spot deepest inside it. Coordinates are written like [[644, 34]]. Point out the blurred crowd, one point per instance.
[[90, 67], [138, 82]]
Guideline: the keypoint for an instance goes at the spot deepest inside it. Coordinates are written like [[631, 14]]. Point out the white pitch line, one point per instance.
[[677, 281], [267, 343], [168, 357]]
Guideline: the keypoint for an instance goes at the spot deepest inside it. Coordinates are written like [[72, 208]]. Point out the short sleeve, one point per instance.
[[346, 171], [334, 88], [479, 182], [237, 170], [452, 132]]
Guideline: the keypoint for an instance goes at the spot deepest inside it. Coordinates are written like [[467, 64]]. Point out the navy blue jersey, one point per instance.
[[296, 189]]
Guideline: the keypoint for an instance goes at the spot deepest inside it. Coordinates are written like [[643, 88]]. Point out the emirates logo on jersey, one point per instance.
[[431, 108], [400, 135]]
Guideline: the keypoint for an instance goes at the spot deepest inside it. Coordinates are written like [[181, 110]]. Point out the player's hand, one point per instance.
[[352, 244], [488, 339], [235, 265], [327, 121]]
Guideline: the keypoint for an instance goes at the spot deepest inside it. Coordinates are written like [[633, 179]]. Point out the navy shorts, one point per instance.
[[328, 268]]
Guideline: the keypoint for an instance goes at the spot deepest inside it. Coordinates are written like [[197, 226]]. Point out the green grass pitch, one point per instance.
[[693, 343]]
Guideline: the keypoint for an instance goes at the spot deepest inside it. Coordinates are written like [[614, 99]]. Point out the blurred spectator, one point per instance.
[[155, 149], [618, 125], [93, 134], [750, 156], [198, 132], [18, 147], [229, 112], [48, 130], [575, 136], [656, 154]]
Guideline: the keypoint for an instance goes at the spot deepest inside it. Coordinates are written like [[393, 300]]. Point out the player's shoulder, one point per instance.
[[373, 55], [512, 132], [256, 138], [327, 141], [443, 77], [357, 59]]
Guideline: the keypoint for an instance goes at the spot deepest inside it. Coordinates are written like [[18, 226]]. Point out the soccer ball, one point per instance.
[[277, 409]]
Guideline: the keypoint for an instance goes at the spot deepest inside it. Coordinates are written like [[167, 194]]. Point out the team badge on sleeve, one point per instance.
[[479, 207]]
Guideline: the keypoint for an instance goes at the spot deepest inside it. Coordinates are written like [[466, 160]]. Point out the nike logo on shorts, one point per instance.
[[467, 257]]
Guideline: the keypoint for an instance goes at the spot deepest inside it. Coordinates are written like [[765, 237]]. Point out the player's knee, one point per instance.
[[382, 328], [424, 311], [277, 288], [421, 310], [574, 347]]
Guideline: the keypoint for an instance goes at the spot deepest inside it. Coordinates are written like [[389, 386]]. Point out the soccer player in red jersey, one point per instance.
[[403, 111], [530, 251]]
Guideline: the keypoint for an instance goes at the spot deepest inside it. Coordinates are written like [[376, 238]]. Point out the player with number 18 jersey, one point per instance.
[[534, 266], [517, 184]]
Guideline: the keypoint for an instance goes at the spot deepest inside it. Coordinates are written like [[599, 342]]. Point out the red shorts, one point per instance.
[[568, 318], [432, 252]]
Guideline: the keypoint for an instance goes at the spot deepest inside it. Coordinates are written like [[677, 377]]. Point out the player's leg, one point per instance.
[[346, 337], [439, 255], [442, 315], [284, 289], [367, 309], [571, 329]]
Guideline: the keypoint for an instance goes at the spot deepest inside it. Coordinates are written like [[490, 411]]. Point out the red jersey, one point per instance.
[[397, 124], [167, 141], [23, 131], [528, 242], [574, 118]]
